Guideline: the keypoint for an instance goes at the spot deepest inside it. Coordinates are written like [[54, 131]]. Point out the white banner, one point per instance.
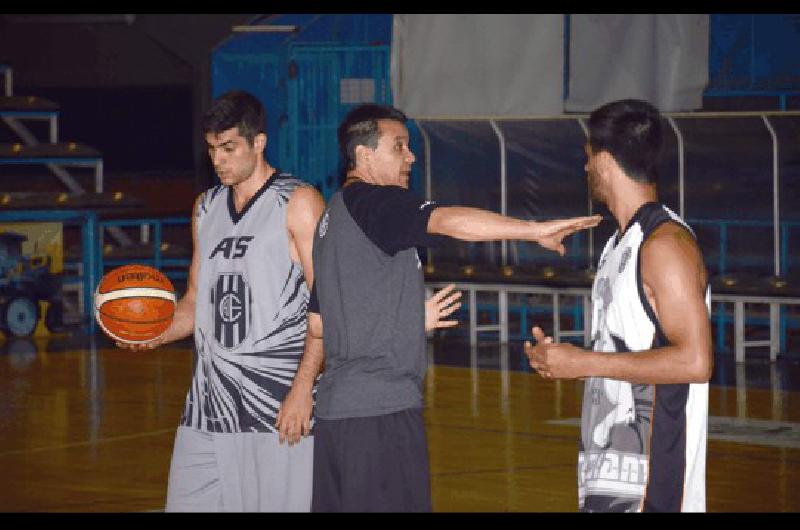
[[478, 65], [662, 59]]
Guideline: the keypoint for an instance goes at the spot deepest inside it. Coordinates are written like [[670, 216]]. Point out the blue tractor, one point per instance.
[[24, 282]]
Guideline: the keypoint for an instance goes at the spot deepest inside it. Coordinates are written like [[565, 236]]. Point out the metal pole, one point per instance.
[[92, 266], [9, 82], [582, 123], [681, 163], [426, 140], [157, 244], [54, 129], [503, 187], [775, 193], [98, 176], [473, 317]]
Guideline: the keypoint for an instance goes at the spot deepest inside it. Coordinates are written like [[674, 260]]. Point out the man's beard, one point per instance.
[[595, 190]]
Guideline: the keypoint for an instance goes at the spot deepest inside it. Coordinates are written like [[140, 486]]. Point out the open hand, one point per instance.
[[441, 305], [551, 233]]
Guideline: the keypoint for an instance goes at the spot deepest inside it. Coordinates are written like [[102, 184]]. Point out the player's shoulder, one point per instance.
[[671, 232], [304, 192], [211, 194], [671, 246], [287, 181], [205, 198], [291, 188]]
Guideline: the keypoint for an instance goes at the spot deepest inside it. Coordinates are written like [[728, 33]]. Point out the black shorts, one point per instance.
[[372, 464]]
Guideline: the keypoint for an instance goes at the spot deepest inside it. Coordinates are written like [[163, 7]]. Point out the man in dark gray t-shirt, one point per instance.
[[370, 450]]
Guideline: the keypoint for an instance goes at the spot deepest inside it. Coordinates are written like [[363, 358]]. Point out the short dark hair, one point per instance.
[[236, 109], [360, 127], [630, 130]]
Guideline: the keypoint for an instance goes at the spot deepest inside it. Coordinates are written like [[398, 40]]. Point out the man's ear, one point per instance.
[[362, 154], [606, 160], [260, 141]]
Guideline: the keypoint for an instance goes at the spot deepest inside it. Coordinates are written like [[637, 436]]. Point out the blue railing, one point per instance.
[[724, 224], [158, 260]]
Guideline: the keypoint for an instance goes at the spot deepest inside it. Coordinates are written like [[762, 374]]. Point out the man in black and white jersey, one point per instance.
[[645, 403], [370, 450]]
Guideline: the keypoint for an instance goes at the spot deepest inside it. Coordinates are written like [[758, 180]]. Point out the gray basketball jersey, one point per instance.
[[372, 304], [250, 311]]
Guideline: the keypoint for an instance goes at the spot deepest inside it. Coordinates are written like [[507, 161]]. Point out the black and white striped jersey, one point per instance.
[[250, 312], [643, 446]]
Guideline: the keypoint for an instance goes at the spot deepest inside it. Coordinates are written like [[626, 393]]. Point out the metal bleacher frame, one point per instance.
[[55, 164], [158, 259], [777, 322], [503, 290], [53, 155]]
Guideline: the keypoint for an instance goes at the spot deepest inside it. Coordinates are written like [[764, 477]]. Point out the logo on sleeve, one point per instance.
[[426, 204]]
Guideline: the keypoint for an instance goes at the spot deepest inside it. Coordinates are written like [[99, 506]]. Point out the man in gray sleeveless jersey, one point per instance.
[[370, 447], [245, 303]]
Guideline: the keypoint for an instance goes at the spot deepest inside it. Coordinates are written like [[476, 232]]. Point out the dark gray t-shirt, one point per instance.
[[369, 290]]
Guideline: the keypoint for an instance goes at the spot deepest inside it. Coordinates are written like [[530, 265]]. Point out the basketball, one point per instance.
[[134, 303]]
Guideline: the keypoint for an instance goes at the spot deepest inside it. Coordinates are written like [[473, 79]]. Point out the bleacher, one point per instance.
[[749, 304], [102, 229]]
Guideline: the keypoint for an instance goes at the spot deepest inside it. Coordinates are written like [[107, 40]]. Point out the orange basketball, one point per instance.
[[134, 303]]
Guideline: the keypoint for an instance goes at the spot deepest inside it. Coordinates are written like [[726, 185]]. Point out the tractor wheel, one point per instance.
[[20, 316]]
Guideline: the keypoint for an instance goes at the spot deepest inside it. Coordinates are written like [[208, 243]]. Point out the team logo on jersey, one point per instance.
[[231, 300], [323, 223]]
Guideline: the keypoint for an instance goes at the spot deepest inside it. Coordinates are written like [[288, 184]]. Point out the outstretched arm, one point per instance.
[[675, 284], [473, 224], [294, 416], [183, 321]]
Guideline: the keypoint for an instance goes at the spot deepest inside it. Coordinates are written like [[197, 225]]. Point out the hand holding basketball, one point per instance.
[[135, 305]]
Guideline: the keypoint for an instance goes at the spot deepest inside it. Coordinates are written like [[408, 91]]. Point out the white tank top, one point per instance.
[[643, 447]]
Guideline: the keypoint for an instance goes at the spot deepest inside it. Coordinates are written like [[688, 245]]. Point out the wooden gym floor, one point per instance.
[[85, 427]]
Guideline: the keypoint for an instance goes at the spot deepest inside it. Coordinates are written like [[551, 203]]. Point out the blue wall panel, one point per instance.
[[754, 52]]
